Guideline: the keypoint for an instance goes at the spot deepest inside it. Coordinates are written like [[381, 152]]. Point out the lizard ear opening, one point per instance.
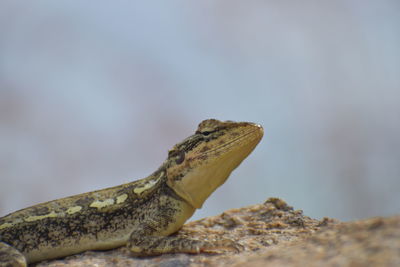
[[180, 158]]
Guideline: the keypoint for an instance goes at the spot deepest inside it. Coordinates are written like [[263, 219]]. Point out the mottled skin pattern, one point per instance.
[[141, 214]]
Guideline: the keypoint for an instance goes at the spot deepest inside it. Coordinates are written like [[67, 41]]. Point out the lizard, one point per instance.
[[142, 214]]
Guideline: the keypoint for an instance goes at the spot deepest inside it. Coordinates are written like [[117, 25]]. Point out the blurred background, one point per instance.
[[93, 95]]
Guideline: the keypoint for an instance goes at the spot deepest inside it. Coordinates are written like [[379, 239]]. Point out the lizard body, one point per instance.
[[141, 214]]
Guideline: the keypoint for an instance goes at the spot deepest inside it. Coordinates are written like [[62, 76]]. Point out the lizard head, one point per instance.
[[198, 165]]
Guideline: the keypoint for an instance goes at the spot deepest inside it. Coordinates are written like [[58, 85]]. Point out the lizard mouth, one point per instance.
[[250, 137]]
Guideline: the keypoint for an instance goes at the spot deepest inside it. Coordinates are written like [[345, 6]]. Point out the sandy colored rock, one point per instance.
[[271, 234]]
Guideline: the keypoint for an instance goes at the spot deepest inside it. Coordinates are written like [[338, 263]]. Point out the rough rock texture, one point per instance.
[[271, 234]]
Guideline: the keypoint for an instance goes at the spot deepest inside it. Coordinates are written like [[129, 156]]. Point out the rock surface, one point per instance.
[[271, 234]]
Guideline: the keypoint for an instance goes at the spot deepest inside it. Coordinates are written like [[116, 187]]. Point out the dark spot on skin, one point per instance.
[[189, 143], [42, 211], [178, 177], [189, 161], [204, 149], [203, 157], [235, 133], [84, 201]]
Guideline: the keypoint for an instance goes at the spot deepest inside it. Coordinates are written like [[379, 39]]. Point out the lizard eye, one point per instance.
[[204, 133], [180, 158]]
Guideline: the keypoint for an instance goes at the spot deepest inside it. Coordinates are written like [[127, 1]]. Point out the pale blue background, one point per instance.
[[93, 94]]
